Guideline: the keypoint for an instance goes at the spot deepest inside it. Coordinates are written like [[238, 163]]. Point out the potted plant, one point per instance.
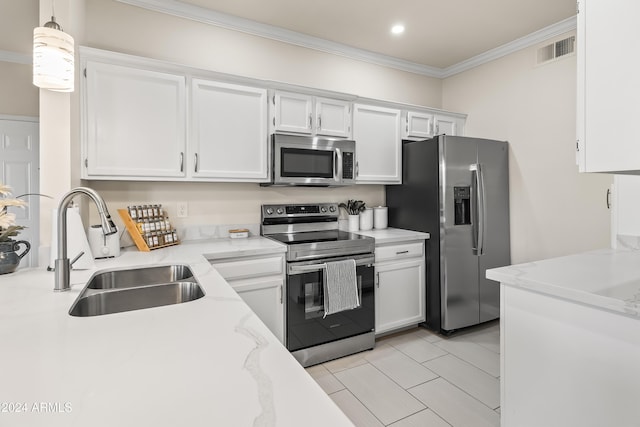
[[353, 208], [9, 258]]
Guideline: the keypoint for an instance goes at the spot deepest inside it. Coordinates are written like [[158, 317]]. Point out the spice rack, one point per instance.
[[149, 227]]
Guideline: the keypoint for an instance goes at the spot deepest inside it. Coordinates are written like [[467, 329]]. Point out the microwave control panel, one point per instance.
[[347, 165]]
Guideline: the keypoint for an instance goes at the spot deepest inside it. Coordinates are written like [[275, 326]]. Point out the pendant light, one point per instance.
[[53, 57]]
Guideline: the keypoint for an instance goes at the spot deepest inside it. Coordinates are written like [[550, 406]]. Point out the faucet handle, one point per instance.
[[77, 257]]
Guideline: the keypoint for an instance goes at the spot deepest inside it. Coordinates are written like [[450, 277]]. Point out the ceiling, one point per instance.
[[439, 33]]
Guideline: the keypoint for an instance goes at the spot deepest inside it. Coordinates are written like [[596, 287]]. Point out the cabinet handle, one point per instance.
[[196, 163], [319, 122], [310, 119], [608, 198], [181, 161], [281, 294], [377, 280], [402, 252], [357, 169]]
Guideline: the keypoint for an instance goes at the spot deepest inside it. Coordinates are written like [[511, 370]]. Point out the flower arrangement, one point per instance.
[[8, 227]]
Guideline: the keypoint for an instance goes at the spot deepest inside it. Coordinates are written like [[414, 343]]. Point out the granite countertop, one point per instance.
[[208, 362], [607, 279], [393, 235]]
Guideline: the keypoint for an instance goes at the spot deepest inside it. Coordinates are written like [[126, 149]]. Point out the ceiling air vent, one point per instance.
[[556, 49]]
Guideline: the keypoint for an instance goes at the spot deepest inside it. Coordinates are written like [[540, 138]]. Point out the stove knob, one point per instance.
[[269, 211], [279, 211], [332, 208], [323, 209]]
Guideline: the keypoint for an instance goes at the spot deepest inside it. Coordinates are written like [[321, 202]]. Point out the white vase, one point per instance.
[[354, 222]]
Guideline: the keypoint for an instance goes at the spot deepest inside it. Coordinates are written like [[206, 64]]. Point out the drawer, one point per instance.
[[401, 251], [252, 267]]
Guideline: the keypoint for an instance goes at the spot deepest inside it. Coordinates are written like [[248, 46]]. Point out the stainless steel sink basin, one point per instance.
[[120, 279], [116, 291]]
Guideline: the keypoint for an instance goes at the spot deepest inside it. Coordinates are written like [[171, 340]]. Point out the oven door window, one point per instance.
[[303, 163], [306, 325]]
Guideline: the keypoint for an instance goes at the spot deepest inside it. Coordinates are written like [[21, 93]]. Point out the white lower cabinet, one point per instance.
[[400, 286], [259, 280]]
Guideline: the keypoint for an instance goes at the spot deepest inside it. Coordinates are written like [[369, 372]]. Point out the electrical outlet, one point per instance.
[[183, 210]]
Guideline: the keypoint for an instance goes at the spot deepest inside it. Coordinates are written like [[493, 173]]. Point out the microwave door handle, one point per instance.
[[337, 167]]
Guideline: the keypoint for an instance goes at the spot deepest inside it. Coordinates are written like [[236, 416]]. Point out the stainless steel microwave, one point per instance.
[[312, 161]]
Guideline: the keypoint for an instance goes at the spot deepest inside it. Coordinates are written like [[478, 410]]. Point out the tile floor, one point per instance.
[[418, 378]]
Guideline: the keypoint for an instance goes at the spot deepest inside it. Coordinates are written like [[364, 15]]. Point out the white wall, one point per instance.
[[18, 96], [554, 209]]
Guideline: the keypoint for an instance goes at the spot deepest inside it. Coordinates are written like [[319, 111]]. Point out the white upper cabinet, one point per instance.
[[419, 125], [446, 125], [134, 123], [228, 139], [608, 89], [333, 117], [292, 112], [423, 124], [305, 114], [377, 132]]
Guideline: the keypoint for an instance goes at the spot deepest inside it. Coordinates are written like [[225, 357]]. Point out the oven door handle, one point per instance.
[[307, 268]]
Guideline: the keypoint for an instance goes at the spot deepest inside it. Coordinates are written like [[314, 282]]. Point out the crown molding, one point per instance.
[[18, 58], [211, 17], [534, 38]]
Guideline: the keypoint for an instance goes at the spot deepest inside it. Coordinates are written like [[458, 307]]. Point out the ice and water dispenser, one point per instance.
[[462, 205]]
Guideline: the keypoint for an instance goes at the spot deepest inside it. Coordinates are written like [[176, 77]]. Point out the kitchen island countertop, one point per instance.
[[606, 279], [208, 362]]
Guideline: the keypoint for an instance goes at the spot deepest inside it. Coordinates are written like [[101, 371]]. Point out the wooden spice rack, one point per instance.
[[141, 238]]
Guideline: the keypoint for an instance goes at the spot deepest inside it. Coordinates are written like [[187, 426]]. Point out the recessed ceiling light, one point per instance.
[[397, 29]]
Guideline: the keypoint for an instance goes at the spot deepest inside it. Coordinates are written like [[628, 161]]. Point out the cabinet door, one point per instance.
[[333, 117], [135, 122], [419, 125], [264, 296], [293, 112], [376, 131], [625, 215], [229, 132], [400, 294], [445, 125], [608, 105]]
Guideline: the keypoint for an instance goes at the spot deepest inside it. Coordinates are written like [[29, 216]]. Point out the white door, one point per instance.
[[135, 122], [19, 168], [264, 296], [229, 132], [446, 126], [419, 125], [376, 131], [333, 117], [293, 112], [400, 299]]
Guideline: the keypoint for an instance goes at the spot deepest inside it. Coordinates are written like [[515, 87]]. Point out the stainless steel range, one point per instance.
[[311, 234]]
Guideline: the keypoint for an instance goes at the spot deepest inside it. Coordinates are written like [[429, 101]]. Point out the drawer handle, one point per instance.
[[402, 252]]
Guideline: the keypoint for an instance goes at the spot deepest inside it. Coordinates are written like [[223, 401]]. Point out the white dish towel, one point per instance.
[[340, 287]]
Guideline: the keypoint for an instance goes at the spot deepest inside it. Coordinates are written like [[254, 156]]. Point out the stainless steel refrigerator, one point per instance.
[[457, 189]]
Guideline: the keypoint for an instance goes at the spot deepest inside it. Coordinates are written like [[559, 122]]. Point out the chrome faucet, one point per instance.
[[63, 266]]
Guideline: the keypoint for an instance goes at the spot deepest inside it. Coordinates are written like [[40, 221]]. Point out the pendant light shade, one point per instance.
[[53, 58]]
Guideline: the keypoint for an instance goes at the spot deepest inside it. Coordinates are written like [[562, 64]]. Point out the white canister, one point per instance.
[[366, 219], [354, 222], [380, 217]]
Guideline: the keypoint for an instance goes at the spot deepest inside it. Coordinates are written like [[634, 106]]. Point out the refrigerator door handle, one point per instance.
[[482, 210], [479, 210]]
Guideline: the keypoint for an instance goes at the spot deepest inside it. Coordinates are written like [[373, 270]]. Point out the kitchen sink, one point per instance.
[[116, 291], [135, 277]]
